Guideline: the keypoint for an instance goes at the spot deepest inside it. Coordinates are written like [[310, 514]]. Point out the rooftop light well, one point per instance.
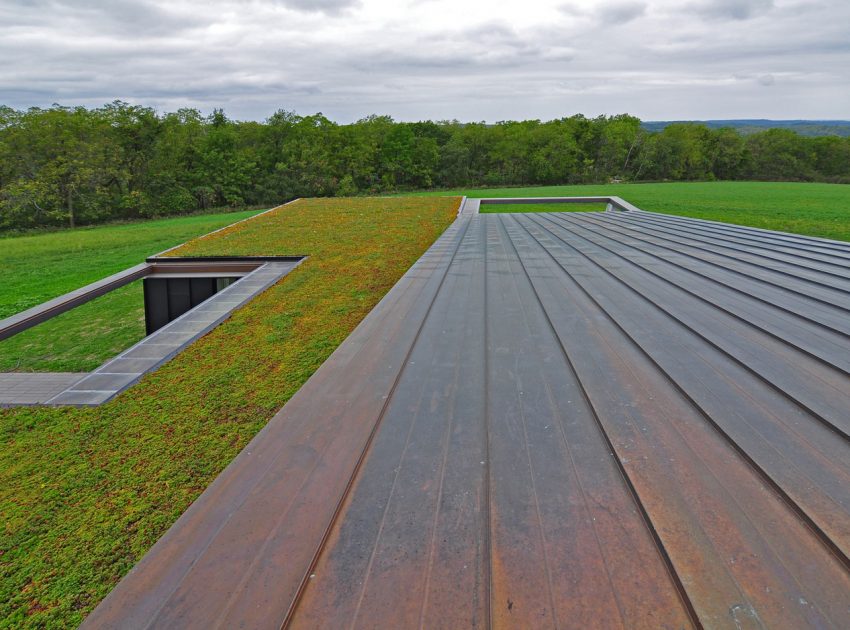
[[184, 299]]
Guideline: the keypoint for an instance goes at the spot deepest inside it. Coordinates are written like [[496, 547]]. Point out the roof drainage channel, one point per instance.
[[127, 368]]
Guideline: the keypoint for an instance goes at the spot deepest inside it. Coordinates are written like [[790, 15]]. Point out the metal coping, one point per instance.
[[613, 203], [38, 314], [223, 259]]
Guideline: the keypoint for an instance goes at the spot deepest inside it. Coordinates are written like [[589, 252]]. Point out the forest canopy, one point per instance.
[[73, 165]]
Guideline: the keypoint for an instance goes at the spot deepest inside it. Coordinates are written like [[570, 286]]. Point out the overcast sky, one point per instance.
[[434, 59]]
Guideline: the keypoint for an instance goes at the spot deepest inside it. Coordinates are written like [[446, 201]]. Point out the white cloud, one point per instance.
[[465, 59]]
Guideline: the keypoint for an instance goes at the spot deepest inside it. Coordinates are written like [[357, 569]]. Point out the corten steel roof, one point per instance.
[[577, 419]]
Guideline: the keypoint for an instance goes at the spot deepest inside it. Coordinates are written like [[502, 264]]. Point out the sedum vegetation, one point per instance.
[[85, 492], [72, 166]]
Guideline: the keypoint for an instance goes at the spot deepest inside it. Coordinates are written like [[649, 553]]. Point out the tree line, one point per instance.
[[74, 166]]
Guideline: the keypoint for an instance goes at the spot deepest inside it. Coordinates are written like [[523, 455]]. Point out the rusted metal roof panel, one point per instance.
[[553, 420]]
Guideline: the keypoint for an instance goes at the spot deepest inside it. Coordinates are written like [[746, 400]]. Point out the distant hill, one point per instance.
[[802, 127]]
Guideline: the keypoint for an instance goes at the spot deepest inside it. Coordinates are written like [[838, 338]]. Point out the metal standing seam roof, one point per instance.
[[576, 419]]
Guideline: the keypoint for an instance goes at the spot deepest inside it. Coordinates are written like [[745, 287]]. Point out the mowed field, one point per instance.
[[803, 208], [38, 267]]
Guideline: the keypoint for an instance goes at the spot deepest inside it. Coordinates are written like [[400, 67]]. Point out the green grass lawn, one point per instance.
[[85, 492], [812, 209], [81, 339], [36, 268]]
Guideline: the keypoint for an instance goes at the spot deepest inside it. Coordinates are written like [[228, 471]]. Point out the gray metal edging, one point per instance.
[[37, 314], [77, 394], [613, 203], [126, 369]]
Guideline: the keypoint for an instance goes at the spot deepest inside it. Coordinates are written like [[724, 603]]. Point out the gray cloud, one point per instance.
[[607, 13], [732, 9], [321, 6], [570, 8], [622, 12], [465, 59], [81, 16]]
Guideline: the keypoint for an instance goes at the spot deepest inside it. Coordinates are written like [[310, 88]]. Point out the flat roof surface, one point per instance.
[[574, 419]]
